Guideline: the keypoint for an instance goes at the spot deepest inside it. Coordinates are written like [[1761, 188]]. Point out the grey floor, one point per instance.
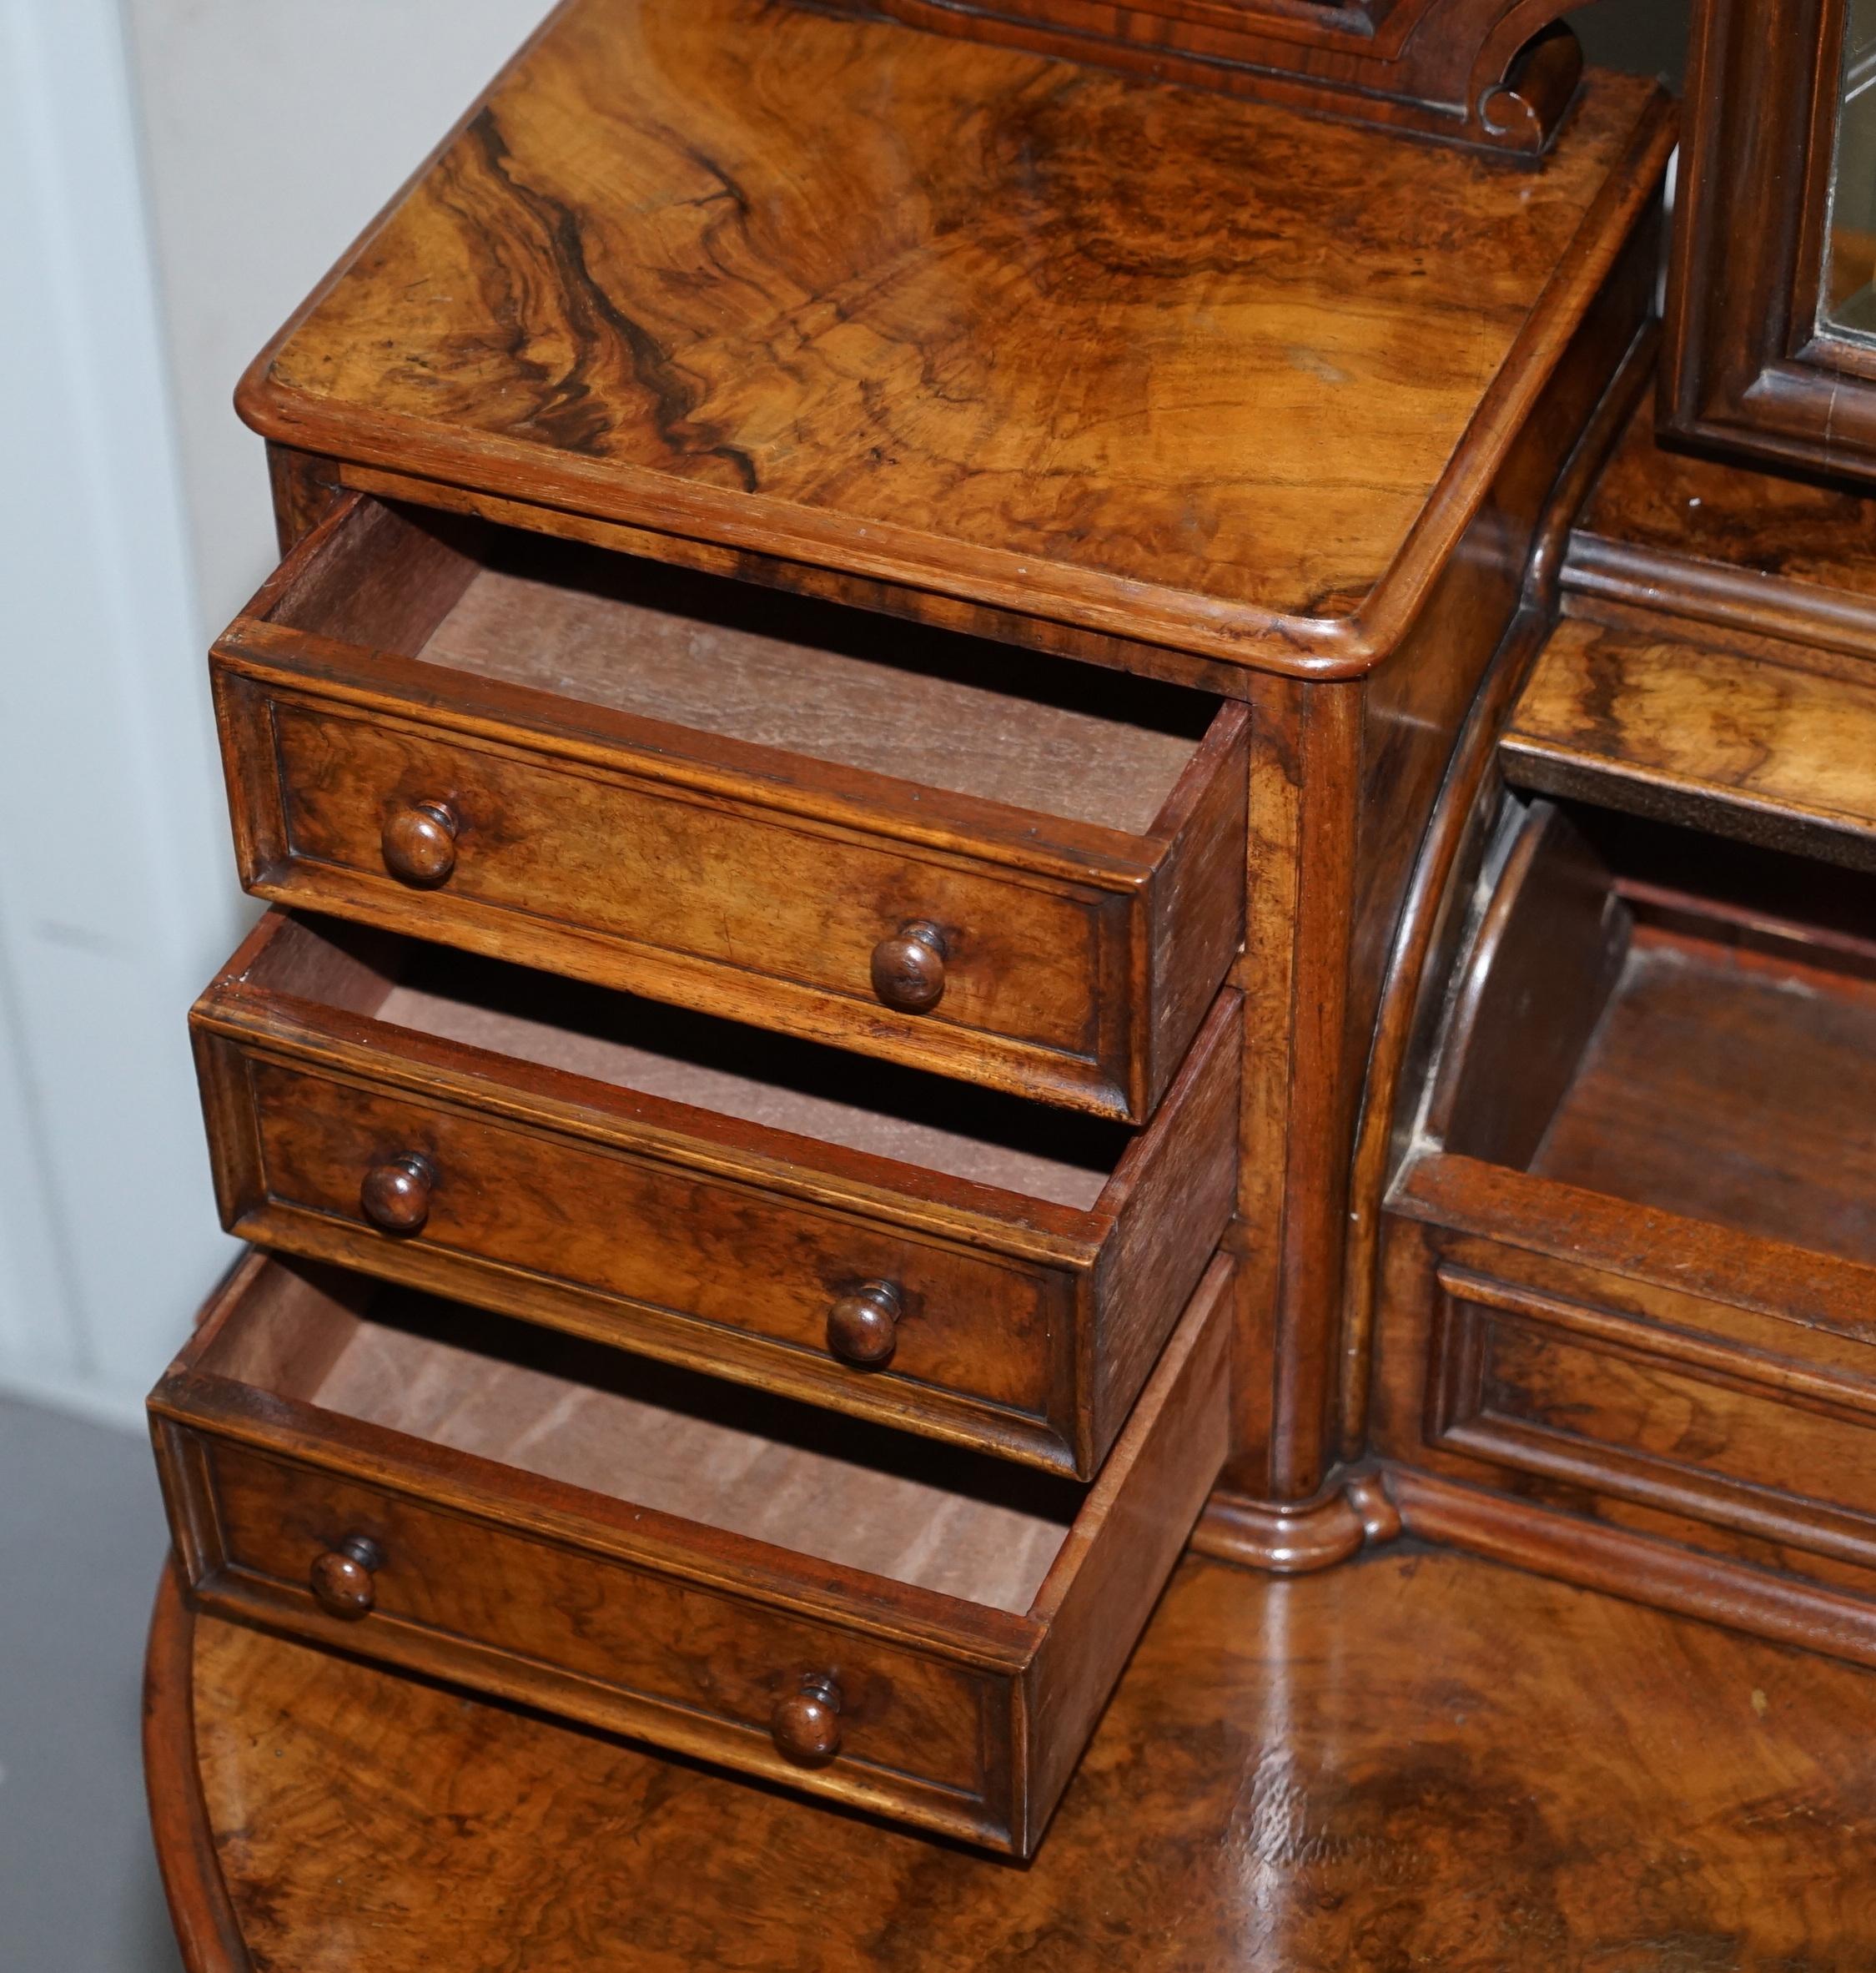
[[81, 1541]]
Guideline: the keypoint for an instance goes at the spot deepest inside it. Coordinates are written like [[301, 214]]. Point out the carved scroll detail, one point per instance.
[[1495, 73]]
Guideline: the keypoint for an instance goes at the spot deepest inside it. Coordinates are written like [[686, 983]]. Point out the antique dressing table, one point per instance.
[[1016, 826]]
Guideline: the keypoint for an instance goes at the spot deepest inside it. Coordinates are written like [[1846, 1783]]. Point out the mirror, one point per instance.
[[1847, 299]]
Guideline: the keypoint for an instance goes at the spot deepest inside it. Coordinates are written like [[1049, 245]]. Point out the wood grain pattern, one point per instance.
[[1666, 727], [550, 1524], [1588, 1783], [1018, 339], [707, 1195], [1714, 1426], [749, 862]]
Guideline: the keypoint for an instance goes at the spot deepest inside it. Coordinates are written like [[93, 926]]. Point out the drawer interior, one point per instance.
[[713, 1067], [835, 683], [1692, 1034], [718, 1455]]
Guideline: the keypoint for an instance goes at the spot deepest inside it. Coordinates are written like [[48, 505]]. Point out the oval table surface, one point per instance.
[[1418, 1763]]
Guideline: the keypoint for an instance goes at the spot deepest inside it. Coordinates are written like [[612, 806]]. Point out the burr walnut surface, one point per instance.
[[993, 324]]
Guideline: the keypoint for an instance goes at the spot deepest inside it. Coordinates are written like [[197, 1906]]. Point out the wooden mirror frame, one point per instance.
[[1746, 369]]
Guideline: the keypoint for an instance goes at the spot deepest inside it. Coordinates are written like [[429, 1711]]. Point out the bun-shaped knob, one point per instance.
[[806, 1725], [342, 1576], [420, 843], [908, 969], [396, 1195], [863, 1327]]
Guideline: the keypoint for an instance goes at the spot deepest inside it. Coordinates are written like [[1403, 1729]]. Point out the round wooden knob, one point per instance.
[[863, 1327], [419, 841], [395, 1195], [806, 1725], [342, 1576], [909, 970]]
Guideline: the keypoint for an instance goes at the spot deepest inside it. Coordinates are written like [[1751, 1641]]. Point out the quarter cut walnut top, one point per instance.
[[1129, 356]]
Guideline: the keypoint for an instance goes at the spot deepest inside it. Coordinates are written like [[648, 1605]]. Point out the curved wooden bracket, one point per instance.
[[1294, 1538], [1497, 74]]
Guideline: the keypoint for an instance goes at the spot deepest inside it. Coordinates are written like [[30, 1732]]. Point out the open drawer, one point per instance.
[[944, 1259], [899, 1626], [1018, 871], [1639, 1219]]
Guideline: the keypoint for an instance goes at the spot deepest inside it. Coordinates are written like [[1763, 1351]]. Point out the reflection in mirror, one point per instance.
[[1847, 300]]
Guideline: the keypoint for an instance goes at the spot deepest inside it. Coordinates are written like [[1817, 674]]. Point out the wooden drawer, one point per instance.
[[918, 845], [943, 1259], [1693, 1403], [1631, 1258], [899, 1626]]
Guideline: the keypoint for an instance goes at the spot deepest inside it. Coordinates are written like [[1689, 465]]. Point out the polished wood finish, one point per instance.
[[1751, 367], [396, 1195], [342, 1578], [1422, 1759], [1496, 73], [1432, 927], [589, 1537], [1135, 394], [706, 1195], [1749, 560], [1386, 588], [1049, 907], [1343, 783], [419, 841], [1630, 1264], [1662, 724], [806, 1723]]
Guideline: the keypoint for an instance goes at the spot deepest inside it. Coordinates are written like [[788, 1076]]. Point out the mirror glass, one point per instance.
[[1847, 302]]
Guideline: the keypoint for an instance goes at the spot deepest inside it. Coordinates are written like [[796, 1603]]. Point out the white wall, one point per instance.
[[274, 130], [114, 898], [259, 135]]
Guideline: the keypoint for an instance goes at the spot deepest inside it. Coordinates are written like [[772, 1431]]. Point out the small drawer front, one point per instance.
[[650, 1640], [927, 1297], [1677, 1402], [1053, 957], [504, 1202], [679, 873]]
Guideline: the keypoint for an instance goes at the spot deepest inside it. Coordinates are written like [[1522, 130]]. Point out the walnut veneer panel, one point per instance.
[[1749, 747], [948, 313], [696, 790]]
